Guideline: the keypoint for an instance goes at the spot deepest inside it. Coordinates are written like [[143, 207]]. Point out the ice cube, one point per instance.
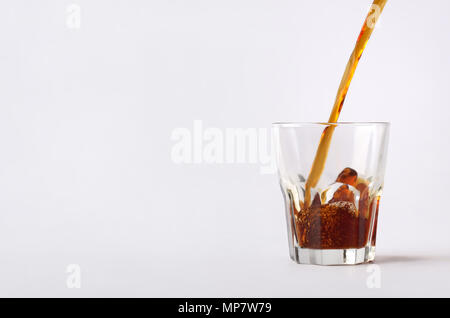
[[291, 189], [363, 204], [343, 193], [339, 191], [348, 176], [316, 202]]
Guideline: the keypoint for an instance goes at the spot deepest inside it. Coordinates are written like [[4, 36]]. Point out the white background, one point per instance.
[[86, 117]]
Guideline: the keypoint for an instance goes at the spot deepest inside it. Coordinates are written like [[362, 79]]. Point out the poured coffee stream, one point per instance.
[[325, 140]]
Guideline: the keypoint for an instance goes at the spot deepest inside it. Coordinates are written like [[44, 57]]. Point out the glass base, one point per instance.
[[351, 256]]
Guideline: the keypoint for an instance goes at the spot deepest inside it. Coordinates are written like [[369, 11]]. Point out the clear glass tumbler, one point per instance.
[[337, 222]]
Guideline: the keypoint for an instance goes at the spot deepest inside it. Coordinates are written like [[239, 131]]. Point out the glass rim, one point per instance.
[[342, 123]]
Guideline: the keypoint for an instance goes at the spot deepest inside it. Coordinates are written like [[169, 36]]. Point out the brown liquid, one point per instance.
[[342, 222], [325, 140], [332, 226]]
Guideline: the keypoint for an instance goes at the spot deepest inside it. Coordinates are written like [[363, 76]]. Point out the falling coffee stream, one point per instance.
[[325, 140]]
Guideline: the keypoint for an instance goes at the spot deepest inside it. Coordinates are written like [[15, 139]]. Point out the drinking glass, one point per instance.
[[338, 222]]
